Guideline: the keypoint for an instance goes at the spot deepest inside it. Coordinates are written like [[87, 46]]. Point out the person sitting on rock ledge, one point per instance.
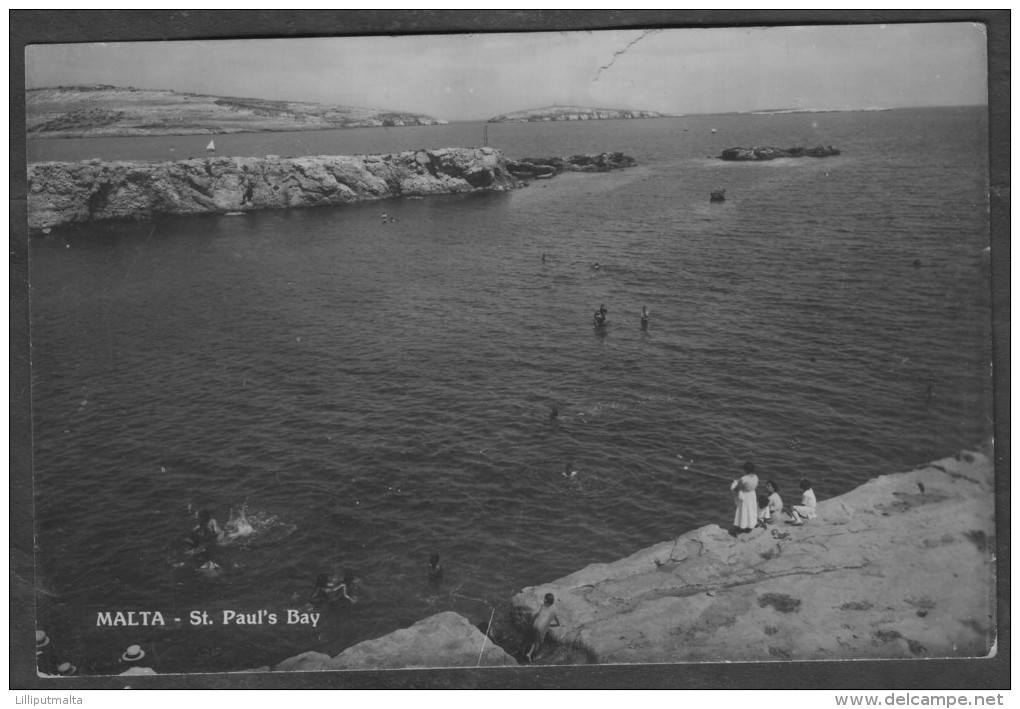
[[545, 619], [808, 503], [773, 505]]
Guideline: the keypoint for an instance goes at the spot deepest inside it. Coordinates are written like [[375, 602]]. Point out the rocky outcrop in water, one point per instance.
[[61, 193], [442, 640], [766, 153], [901, 567], [539, 168]]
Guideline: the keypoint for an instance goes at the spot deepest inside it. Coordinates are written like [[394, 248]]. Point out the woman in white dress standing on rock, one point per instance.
[[747, 502]]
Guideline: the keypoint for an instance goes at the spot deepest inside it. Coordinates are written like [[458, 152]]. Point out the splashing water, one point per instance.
[[247, 525]]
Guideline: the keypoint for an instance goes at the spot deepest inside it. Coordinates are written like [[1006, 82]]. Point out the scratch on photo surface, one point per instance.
[[620, 52]]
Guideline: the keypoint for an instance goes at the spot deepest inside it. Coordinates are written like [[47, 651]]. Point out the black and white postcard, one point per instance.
[[509, 350]]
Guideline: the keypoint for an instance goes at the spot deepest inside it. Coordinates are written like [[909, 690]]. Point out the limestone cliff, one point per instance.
[[61, 193], [901, 567]]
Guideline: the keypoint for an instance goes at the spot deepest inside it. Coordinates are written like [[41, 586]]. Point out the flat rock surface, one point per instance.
[[442, 640], [901, 567]]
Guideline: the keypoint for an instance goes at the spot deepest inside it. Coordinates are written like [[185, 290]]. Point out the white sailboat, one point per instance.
[[211, 147]]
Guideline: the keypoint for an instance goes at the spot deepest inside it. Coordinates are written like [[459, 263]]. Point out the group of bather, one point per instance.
[[759, 511], [601, 317]]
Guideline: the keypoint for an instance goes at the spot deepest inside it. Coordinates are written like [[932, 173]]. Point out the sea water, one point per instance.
[[363, 393]]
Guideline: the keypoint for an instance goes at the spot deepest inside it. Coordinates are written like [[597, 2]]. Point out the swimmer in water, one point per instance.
[[207, 531], [554, 414], [644, 318], [343, 590], [206, 566], [435, 569], [596, 267], [320, 594], [327, 590], [567, 472]]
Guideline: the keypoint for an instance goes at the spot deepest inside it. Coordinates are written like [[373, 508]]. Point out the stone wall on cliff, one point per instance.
[[62, 193]]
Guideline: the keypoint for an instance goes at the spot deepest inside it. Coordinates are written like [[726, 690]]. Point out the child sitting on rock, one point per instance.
[[808, 503], [773, 506]]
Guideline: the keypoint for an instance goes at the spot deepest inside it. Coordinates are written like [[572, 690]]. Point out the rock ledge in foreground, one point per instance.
[[442, 640], [901, 567]]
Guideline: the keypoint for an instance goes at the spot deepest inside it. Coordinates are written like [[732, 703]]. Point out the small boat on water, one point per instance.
[[713, 131], [717, 196], [211, 147]]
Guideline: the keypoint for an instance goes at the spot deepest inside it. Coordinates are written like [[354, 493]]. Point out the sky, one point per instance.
[[478, 76]]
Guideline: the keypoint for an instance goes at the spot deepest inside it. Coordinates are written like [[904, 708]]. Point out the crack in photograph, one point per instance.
[[625, 346]]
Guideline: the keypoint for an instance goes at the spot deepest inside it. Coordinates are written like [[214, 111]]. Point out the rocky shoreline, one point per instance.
[[66, 193], [63, 193], [900, 567]]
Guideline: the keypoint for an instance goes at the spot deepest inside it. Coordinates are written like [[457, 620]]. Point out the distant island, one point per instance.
[[573, 113], [773, 111], [92, 111]]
